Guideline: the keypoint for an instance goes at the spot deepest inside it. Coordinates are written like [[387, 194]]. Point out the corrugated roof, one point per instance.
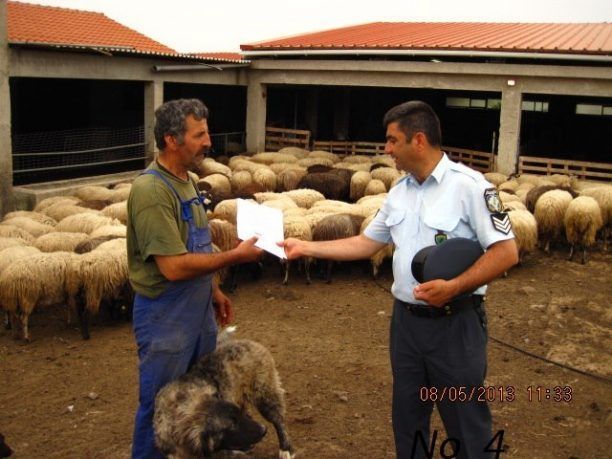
[[46, 25], [38, 25], [584, 38]]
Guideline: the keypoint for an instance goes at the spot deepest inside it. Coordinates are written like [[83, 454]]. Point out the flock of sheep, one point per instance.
[[70, 250]]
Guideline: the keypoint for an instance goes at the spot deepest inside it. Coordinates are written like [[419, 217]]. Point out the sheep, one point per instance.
[[226, 210], [93, 193], [224, 236], [354, 166], [266, 178], [514, 205], [582, 221], [374, 186], [333, 227], [325, 155], [562, 180], [36, 216], [90, 244], [209, 166], [525, 229], [311, 161], [48, 202], [528, 178], [304, 197], [6, 242], [96, 277], [330, 185], [387, 175], [59, 241], [336, 206], [109, 230], [508, 197], [289, 179], [219, 183], [358, 159], [281, 204], [379, 257], [295, 212], [384, 160], [299, 228], [534, 194], [116, 210], [34, 281], [603, 195], [277, 168], [549, 212], [11, 231], [495, 178], [95, 204], [116, 243], [31, 226], [297, 152], [61, 210], [241, 179], [273, 157], [84, 223], [359, 181], [509, 186]]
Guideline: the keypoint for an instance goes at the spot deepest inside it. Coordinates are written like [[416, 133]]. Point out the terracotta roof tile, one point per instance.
[[45, 25], [574, 38]]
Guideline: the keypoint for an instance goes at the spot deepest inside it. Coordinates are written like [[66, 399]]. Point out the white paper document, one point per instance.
[[264, 222]]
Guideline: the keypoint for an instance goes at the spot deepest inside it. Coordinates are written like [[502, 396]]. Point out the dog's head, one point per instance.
[[229, 428], [5, 451]]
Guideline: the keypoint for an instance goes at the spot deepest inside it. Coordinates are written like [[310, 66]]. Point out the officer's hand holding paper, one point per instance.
[[264, 222]]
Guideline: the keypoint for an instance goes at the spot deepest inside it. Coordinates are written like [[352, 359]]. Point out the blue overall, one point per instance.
[[172, 331]]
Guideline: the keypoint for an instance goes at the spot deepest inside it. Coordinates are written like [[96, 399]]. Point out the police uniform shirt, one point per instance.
[[454, 201]]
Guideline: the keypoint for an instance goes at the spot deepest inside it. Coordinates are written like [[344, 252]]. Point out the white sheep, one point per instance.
[[297, 152], [11, 254], [273, 157], [120, 193], [582, 221], [109, 230], [509, 186], [525, 229], [379, 257], [549, 212], [299, 228], [36, 216], [59, 241], [312, 161], [61, 210], [358, 159], [12, 231], [209, 166], [304, 197], [85, 223], [603, 195], [325, 155], [116, 210], [266, 178], [218, 184], [359, 181], [387, 175], [6, 242], [48, 202], [38, 280], [495, 178], [93, 193], [31, 226], [375, 186]]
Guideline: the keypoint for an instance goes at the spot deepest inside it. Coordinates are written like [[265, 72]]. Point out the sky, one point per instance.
[[209, 26]]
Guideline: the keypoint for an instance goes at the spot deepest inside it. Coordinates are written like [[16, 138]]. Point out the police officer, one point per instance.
[[171, 262], [438, 336]]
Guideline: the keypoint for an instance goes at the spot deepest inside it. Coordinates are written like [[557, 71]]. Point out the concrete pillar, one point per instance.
[[509, 130], [153, 98], [342, 112], [256, 116], [6, 151]]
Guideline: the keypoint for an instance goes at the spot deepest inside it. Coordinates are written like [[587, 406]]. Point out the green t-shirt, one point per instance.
[[155, 227]]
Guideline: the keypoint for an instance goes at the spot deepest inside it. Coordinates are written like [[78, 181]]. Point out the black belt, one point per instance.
[[454, 307]]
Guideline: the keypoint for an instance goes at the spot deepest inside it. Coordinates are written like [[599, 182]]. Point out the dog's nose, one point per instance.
[[263, 430]]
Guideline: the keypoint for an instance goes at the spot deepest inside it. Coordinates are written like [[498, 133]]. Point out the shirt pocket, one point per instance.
[[402, 224], [449, 223]]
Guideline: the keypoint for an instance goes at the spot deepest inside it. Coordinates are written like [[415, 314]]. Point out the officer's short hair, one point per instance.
[[170, 119], [415, 116]]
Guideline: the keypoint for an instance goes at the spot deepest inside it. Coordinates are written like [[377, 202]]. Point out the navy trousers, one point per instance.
[[443, 352]]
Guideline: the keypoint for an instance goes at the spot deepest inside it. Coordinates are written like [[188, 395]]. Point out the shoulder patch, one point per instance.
[[501, 222], [491, 197]]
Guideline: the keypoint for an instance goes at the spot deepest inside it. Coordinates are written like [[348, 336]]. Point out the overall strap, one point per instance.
[[186, 213]]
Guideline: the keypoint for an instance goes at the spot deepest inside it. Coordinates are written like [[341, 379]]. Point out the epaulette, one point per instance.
[[462, 168]]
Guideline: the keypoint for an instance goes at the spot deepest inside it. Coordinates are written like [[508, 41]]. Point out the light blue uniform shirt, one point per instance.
[[450, 201]]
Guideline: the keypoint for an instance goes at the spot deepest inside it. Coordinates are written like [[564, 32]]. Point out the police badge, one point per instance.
[[492, 200]]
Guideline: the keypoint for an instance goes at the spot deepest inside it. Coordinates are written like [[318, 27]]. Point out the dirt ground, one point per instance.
[[62, 397]]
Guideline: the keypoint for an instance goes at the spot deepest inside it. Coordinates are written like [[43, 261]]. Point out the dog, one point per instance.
[[5, 450], [204, 411]]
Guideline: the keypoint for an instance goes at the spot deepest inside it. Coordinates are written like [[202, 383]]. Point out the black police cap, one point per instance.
[[445, 261]]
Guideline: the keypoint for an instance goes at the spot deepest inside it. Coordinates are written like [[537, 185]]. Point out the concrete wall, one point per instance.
[[511, 80], [6, 159]]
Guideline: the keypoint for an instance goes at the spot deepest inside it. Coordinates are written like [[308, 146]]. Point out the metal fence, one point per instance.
[[227, 143], [58, 155]]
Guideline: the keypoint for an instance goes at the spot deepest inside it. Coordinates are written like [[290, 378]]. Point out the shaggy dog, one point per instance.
[[5, 451], [204, 411]]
